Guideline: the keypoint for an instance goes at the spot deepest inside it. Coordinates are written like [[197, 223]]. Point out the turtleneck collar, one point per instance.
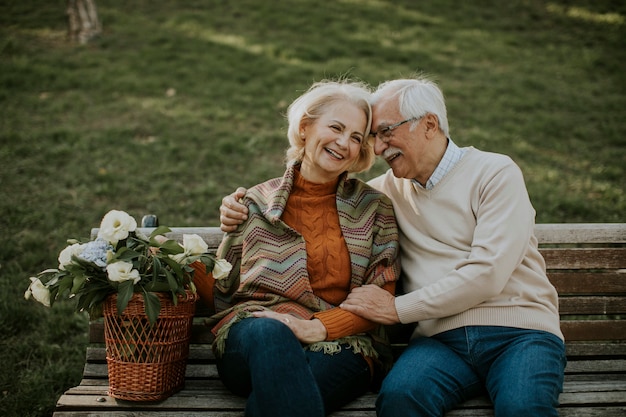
[[302, 185]]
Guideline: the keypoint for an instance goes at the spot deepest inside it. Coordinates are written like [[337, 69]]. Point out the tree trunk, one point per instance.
[[83, 20]]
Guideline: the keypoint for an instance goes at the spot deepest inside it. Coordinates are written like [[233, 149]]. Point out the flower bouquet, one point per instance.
[[143, 286], [123, 261]]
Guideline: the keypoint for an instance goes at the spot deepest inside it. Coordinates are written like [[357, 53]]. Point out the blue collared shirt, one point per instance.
[[452, 155]]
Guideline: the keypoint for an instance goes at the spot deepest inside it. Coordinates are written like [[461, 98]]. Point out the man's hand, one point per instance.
[[373, 303], [232, 212], [307, 331]]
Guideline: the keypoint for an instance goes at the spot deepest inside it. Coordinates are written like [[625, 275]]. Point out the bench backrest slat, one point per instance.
[[591, 304], [586, 282], [547, 233], [556, 233], [584, 258]]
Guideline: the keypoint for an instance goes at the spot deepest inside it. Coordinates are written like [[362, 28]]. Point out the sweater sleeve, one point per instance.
[[340, 323]]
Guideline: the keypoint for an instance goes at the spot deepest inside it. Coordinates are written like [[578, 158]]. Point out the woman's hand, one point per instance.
[[307, 331], [232, 212]]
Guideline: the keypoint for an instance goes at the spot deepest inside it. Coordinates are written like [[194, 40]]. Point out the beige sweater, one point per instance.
[[468, 250]]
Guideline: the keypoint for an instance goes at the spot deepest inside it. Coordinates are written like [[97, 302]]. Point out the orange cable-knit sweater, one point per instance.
[[312, 211]]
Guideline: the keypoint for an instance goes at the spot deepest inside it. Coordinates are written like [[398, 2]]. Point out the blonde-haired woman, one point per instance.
[[311, 236]]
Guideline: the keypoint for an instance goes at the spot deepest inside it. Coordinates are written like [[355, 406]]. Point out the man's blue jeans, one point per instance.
[[520, 370], [265, 362]]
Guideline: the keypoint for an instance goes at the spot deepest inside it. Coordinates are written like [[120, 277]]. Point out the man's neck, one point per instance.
[[439, 150]]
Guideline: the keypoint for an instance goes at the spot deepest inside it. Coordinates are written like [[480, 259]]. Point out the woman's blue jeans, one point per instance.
[[520, 370], [265, 362]]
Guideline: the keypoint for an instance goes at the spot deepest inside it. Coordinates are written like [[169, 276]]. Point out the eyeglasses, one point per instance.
[[384, 134]]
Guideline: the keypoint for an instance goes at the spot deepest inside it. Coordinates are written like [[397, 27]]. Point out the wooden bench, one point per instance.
[[586, 263]]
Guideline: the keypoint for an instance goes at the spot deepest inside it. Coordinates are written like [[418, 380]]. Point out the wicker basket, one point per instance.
[[147, 363]]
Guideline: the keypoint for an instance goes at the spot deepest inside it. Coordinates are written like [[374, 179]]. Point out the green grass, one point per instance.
[[85, 129]]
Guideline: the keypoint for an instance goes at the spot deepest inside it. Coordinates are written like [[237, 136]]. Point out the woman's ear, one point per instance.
[[303, 129]]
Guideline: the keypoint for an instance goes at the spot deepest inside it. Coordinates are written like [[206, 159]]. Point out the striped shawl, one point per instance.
[[269, 258]]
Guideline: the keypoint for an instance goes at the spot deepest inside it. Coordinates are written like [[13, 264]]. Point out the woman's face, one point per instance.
[[332, 142]]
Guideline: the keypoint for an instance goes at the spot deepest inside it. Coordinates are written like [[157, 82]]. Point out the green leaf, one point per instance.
[[171, 247], [171, 280], [124, 294], [174, 266], [161, 230], [65, 284], [152, 306], [125, 254], [78, 282], [156, 268], [208, 261]]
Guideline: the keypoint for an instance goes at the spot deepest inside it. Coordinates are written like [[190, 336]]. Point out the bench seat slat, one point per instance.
[[209, 371], [566, 412], [204, 354], [595, 349], [597, 366], [594, 329], [218, 398], [563, 412], [573, 383], [99, 370]]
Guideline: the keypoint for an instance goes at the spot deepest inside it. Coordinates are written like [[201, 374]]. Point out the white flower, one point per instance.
[[65, 257], [192, 245], [115, 226], [122, 271], [39, 291], [221, 269]]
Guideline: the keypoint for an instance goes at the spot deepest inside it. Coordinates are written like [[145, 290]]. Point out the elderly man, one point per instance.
[[474, 282]]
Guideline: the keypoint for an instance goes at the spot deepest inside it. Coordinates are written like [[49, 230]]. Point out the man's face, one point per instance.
[[402, 149]]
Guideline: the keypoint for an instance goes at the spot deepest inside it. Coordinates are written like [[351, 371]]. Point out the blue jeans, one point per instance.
[[520, 370], [265, 362]]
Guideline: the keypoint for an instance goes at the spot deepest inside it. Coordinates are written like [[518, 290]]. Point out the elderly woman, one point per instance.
[[311, 236]]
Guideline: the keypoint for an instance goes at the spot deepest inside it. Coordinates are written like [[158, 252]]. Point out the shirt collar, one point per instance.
[[452, 155]]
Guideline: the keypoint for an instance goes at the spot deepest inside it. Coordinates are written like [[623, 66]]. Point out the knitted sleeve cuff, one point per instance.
[[340, 323]]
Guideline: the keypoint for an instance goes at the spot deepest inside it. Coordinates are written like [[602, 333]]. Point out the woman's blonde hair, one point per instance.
[[314, 102]]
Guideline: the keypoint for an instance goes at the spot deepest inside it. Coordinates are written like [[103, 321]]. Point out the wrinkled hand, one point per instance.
[[232, 212], [307, 331], [373, 303]]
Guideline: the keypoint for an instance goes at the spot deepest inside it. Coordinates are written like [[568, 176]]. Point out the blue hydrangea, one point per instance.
[[96, 252]]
